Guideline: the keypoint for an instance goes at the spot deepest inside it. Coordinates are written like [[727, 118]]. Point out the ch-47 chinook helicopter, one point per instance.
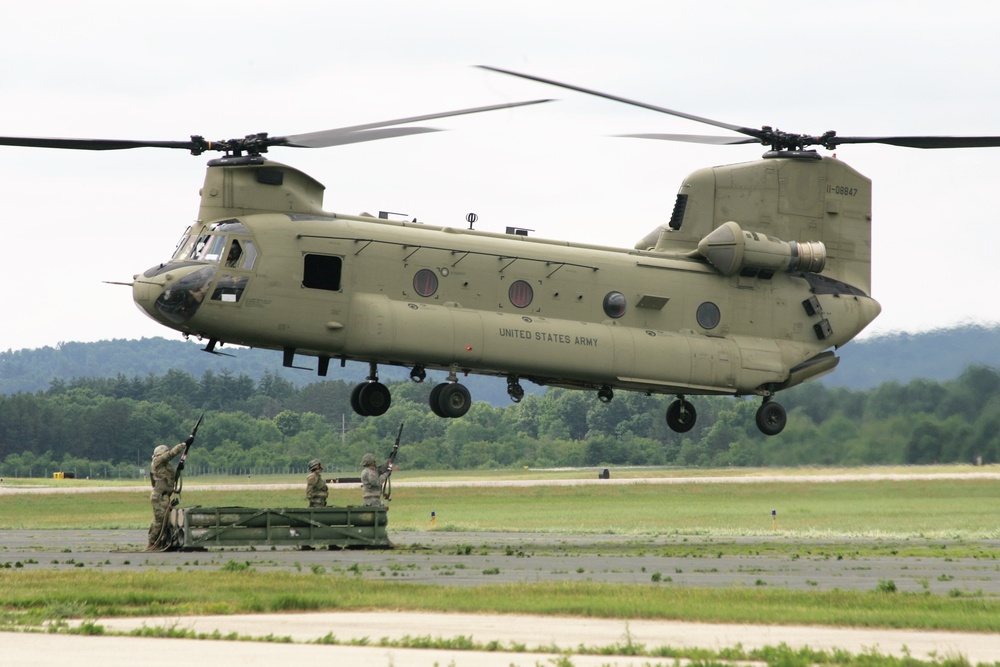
[[762, 271]]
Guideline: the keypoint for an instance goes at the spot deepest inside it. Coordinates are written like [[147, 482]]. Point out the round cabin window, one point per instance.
[[425, 282], [614, 304], [708, 315], [521, 294]]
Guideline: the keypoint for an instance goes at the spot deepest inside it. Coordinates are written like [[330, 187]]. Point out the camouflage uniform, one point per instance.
[[372, 478], [316, 491], [162, 475]]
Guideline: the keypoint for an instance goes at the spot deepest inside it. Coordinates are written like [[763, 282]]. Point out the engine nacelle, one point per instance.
[[730, 249]]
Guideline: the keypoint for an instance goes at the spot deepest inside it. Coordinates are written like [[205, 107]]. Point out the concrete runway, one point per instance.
[[560, 637], [442, 558]]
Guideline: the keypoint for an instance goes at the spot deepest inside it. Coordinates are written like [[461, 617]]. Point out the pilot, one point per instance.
[[162, 476], [316, 491], [372, 478], [235, 252]]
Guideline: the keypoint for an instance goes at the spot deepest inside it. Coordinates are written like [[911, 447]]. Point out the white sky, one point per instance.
[[166, 70]]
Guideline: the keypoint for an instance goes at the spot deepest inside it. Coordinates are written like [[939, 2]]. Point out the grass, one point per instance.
[[33, 597], [938, 508], [917, 517]]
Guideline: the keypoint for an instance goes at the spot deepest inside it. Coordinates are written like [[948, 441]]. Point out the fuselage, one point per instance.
[[557, 313]]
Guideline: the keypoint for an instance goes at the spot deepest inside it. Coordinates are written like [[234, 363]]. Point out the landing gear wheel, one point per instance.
[[454, 400], [434, 399], [681, 416], [515, 390], [355, 400], [771, 418], [374, 398]]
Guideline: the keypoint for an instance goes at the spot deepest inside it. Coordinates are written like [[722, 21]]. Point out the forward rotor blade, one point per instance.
[[257, 143], [342, 135], [693, 138], [328, 138], [680, 114], [93, 144]]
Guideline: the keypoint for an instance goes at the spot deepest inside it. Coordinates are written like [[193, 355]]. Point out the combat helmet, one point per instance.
[[160, 449], [367, 460], [315, 465]]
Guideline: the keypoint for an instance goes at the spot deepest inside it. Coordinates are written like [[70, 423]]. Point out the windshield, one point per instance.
[[209, 247], [218, 248], [184, 245]]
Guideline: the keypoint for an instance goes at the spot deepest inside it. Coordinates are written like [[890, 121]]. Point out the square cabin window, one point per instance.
[[322, 272]]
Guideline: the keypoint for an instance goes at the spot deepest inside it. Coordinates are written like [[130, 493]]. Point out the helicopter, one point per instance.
[[761, 273]]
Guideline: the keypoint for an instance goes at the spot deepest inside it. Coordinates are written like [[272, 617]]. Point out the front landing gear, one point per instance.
[[681, 415], [371, 398], [771, 417], [450, 400]]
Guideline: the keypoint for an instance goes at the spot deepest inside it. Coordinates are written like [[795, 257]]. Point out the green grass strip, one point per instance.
[[29, 598], [918, 507]]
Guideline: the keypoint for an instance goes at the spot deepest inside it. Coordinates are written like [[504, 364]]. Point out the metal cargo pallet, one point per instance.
[[351, 526]]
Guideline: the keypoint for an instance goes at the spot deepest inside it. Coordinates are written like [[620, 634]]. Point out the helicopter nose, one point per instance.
[[145, 292], [170, 294]]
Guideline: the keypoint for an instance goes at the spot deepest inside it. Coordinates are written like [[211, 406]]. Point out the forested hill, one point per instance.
[[938, 355], [36, 369]]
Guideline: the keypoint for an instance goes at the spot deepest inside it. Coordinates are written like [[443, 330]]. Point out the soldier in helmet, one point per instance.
[[162, 476], [316, 491], [372, 478]]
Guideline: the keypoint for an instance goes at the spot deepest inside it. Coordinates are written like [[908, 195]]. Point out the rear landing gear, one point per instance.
[[681, 415], [771, 417]]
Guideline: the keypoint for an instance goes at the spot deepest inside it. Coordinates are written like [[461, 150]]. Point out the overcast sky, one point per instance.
[[167, 70]]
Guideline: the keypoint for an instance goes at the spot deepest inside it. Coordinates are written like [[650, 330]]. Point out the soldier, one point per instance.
[[316, 491], [162, 476], [372, 478]]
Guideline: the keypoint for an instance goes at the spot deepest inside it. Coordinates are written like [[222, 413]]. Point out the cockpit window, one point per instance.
[[242, 254], [235, 254], [249, 254], [230, 226], [209, 248], [184, 245]]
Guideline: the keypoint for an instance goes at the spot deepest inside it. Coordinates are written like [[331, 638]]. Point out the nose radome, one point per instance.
[[172, 295], [145, 292]]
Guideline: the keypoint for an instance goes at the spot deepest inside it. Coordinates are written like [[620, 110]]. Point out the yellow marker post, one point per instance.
[[433, 518], [774, 520]]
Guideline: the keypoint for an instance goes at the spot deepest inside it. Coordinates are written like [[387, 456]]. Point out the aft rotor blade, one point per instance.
[[680, 114], [93, 144], [358, 133]]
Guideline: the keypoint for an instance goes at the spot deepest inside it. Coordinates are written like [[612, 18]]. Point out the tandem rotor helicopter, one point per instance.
[[762, 271]]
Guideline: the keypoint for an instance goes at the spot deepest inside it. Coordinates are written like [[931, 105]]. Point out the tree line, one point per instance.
[[108, 427]]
